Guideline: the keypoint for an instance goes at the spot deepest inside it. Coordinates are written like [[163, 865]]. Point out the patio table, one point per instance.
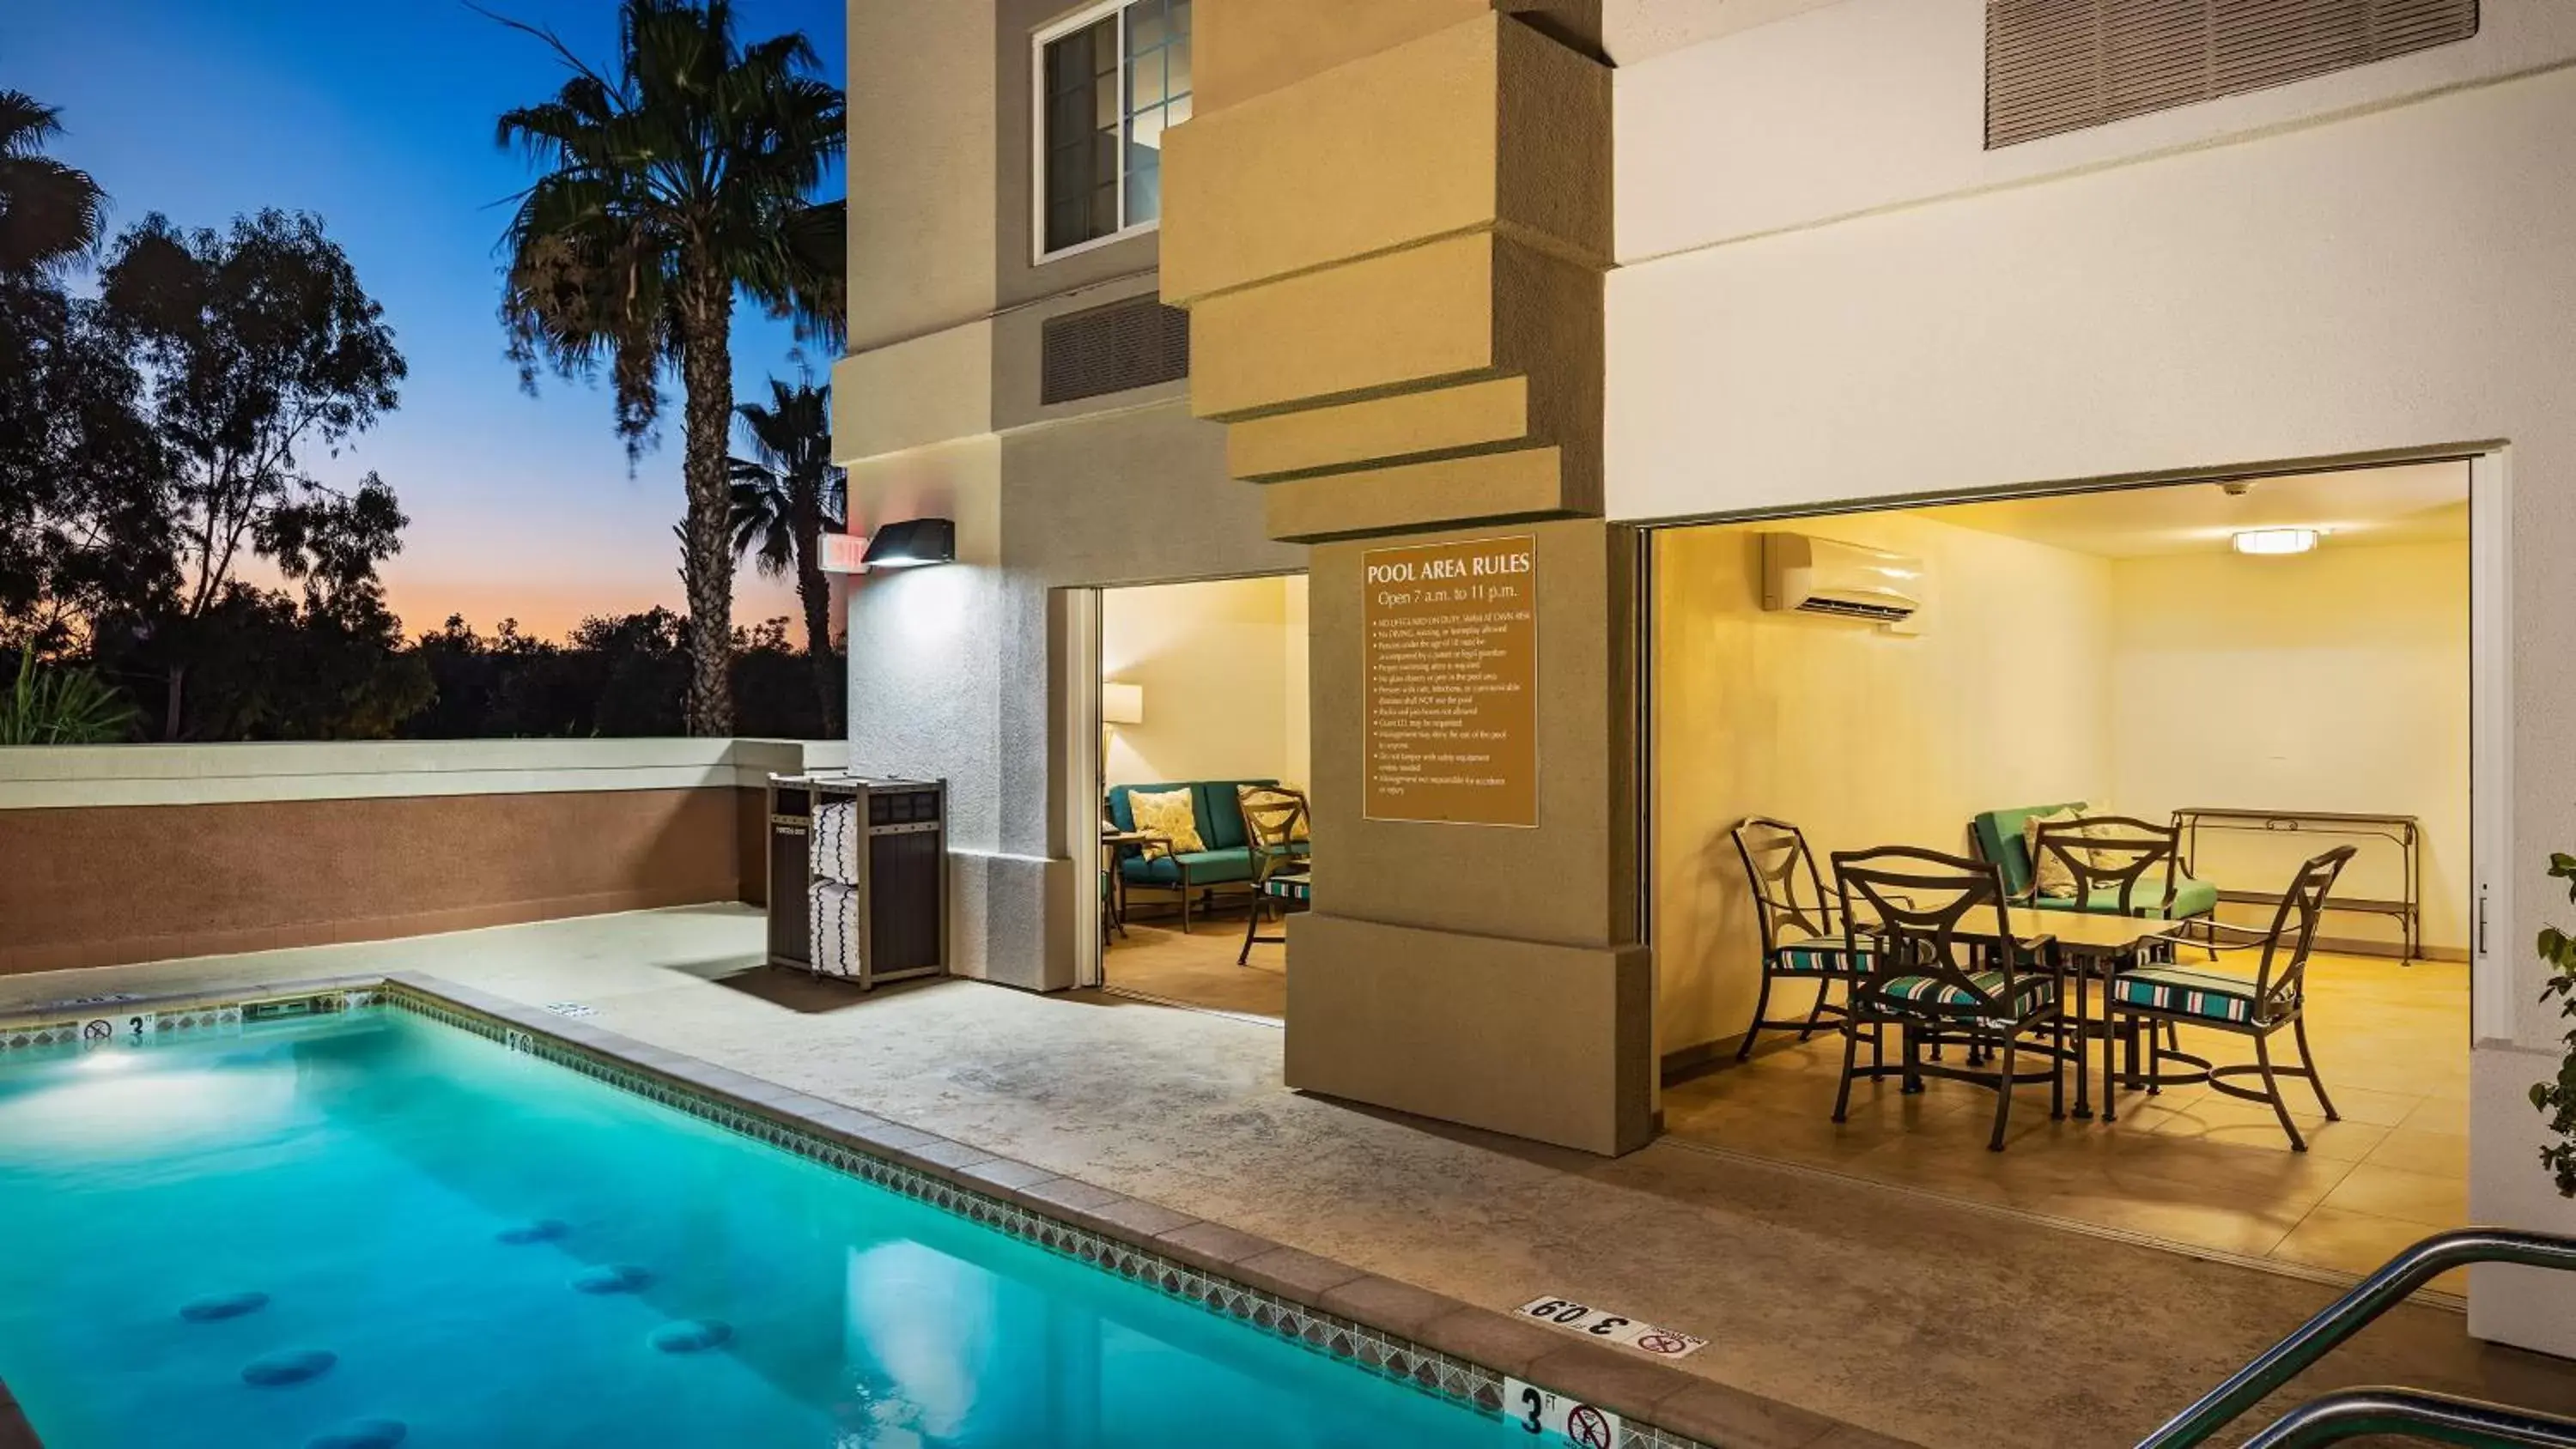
[[2087, 941]]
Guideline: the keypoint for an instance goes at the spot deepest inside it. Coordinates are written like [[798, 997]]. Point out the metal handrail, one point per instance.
[[2351, 1313], [2416, 1414]]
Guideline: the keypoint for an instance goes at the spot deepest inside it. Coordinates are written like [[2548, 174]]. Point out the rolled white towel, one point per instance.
[[834, 841], [834, 933]]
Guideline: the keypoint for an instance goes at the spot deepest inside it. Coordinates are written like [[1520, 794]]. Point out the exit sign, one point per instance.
[[842, 553]]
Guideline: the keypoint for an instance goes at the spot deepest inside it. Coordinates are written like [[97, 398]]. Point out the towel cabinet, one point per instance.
[[858, 877]]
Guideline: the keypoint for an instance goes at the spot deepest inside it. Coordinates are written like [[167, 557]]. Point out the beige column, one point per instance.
[[1389, 222]]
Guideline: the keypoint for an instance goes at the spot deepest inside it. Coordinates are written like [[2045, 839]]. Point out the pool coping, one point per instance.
[[1435, 1344]]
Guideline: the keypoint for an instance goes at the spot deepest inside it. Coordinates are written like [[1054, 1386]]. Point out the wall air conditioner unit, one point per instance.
[[1819, 576]]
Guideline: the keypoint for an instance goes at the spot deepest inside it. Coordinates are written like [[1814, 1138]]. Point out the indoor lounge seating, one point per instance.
[[1934, 923], [2275, 997], [2005, 838], [1199, 846], [1275, 832], [1800, 926]]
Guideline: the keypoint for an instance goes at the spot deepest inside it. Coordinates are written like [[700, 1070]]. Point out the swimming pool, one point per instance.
[[369, 1228]]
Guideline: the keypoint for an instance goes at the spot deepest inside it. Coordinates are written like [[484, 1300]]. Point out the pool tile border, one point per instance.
[[1435, 1345]]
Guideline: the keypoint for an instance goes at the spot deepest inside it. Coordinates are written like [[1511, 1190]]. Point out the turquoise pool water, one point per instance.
[[373, 1229]]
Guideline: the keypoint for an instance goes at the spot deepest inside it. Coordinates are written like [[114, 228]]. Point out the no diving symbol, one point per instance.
[[1587, 1426], [1669, 1345], [99, 1030]]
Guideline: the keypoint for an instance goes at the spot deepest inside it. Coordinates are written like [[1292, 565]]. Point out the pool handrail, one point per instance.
[[2374, 1295], [2414, 1414]]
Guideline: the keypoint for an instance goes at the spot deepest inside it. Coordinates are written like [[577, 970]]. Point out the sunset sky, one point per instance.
[[378, 115]]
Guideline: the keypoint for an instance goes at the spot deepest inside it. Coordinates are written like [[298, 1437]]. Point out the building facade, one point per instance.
[[1568, 272]]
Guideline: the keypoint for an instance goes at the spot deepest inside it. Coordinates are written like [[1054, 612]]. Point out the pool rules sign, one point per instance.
[[1451, 653]]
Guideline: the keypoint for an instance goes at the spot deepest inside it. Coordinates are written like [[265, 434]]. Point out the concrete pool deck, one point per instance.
[[1942, 1323]]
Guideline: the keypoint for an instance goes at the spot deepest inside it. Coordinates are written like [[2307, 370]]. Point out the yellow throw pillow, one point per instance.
[[2054, 879], [1168, 813]]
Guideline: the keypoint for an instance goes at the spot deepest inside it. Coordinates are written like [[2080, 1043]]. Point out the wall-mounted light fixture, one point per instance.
[[913, 543], [2275, 541]]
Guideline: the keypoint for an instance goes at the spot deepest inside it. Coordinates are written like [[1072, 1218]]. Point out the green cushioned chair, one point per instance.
[[1227, 860], [2003, 837]]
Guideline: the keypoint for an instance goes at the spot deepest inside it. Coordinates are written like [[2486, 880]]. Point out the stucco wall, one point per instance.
[[951, 668], [139, 852], [1829, 302]]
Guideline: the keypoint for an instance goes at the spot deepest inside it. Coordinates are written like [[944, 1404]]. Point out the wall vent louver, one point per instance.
[[1130, 344], [2062, 65]]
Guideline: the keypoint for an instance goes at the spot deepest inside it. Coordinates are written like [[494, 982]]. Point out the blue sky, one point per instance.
[[378, 116]]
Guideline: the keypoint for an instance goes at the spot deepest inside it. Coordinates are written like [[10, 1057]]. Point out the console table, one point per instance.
[[2405, 832]]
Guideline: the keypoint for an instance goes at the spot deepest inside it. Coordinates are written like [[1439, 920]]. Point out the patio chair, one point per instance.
[[2121, 866], [1801, 931], [1275, 820], [1927, 974], [2275, 998]]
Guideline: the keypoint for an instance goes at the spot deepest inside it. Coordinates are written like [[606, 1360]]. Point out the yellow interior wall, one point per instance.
[[1860, 736], [1223, 668], [2336, 680]]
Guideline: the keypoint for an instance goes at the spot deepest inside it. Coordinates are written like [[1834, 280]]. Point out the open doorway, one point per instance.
[[1202, 697], [2263, 671]]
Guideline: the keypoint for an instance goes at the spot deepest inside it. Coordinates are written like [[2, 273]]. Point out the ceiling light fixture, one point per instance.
[[2271, 542]]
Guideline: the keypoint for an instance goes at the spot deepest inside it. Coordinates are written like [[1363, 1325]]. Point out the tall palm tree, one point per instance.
[[784, 495], [668, 184], [49, 212]]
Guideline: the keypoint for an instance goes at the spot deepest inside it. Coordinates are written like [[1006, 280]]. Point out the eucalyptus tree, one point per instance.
[[672, 181]]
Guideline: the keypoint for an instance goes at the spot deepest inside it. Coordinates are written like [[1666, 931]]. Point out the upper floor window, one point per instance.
[[1109, 79]]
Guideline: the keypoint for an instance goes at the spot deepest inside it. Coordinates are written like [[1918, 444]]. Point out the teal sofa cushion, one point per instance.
[[1207, 867], [1221, 814], [1999, 838], [2191, 898]]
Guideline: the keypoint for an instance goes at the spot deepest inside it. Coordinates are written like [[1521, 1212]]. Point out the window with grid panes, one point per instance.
[[1110, 80]]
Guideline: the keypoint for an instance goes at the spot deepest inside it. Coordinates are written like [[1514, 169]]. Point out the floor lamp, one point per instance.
[[1120, 704]]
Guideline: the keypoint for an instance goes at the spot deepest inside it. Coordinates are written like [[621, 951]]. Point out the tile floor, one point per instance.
[[1159, 962], [2188, 1165]]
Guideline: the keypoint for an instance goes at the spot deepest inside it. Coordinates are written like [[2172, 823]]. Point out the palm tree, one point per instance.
[[683, 176], [783, 496], [49, 212]]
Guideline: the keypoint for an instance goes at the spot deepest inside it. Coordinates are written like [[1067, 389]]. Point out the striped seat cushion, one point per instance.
[[2187, 992], [1812, 959], [1299, 887], [2031, 992]]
